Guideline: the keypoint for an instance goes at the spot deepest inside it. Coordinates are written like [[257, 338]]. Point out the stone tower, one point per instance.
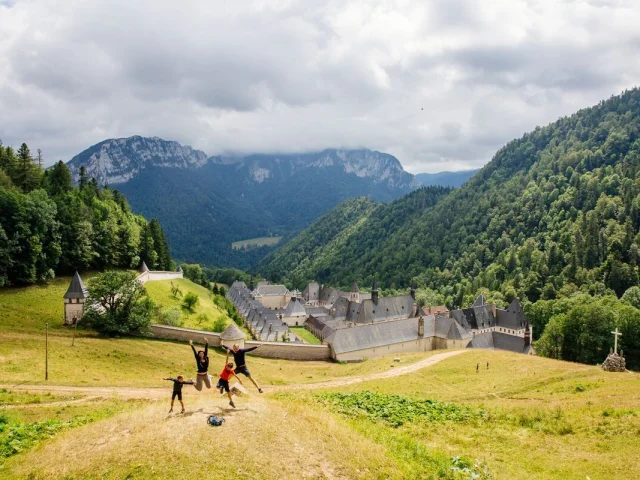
[[354, 295], [74, 299]]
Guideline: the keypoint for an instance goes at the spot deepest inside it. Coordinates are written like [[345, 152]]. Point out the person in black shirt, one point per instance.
[[202, 362], [177, 390], [241, 366]]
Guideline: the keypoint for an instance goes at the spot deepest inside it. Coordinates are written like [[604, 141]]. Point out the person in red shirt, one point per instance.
[[223, 382]]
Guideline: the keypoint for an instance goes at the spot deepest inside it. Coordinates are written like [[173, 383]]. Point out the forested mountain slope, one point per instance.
[[353, 226], [555, 211], [49, 227]]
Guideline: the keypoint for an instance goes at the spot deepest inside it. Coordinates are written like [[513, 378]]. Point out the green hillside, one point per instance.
[[206, 315], [559, 206], [352, 228]]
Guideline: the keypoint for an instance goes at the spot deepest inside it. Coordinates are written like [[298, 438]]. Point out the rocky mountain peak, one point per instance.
[[118, 160]]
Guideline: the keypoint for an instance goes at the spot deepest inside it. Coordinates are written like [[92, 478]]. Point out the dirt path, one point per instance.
[[394, 372], [155, 393]]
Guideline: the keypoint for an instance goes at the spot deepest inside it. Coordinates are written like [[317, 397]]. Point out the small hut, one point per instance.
[[231, 336], [74, 299]]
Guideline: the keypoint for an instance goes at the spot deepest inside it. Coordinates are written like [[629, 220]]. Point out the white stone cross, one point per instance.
[[617, 334]]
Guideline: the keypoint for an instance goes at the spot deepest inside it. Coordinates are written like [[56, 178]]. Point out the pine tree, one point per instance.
[[59, 179]]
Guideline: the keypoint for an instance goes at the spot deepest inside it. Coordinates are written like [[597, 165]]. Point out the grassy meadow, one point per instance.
[[520, 418]]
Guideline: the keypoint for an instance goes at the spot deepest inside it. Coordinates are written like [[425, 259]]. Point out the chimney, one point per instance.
[[374, 291], [413, 291], [421, 327], [270, 327], [251, 283]]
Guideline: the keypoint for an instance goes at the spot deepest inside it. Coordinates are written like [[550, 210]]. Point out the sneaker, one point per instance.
[[232, 404], [260, 390]]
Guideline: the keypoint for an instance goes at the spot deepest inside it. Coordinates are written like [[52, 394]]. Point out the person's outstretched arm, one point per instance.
[[170, 379], [195, 354], [237, 378], [206, 346], [253, 348]]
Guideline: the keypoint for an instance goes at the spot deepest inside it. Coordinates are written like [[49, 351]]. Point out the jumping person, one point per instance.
[[223, 382], [202, 361], [177, 390], [238, 357]]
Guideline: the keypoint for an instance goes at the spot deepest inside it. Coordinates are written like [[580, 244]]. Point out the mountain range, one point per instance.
[[206, 203]]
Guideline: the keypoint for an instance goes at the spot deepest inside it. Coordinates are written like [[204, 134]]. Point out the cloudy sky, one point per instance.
[[441, 84]]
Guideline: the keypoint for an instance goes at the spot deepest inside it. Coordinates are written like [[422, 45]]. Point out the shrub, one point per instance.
[[220, 324], [202, 318], [169, 316], [190, 302]]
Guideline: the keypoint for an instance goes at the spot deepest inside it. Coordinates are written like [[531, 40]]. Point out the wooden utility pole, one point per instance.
[[46, 354]]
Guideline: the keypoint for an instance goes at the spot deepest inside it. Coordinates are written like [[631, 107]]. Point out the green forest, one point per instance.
[[553, 216], [48, 226]]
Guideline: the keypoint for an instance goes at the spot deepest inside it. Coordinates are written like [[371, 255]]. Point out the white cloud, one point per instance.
[[440, 84]]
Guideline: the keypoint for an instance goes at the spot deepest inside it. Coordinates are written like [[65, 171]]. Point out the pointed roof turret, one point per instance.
[[354, 288], [480, 301], [144, 267], [179, 270], [77, 288], [374, 287], [232, 332]]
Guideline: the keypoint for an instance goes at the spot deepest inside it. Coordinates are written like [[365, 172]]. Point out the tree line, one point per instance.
[[48, 226]]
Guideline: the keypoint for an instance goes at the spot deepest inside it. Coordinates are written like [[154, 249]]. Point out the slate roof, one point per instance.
[[482, 340], [329, 295], [294, 309], [275, 290], [513, 317], [475, 318], [179, 269], [511, 343], [238, 284], [386, 308], [354, 288], [316, 310], [77, 289], [480, 301], [500, 341], [448, 328], [373, 335], [144, 267], [232, 332]]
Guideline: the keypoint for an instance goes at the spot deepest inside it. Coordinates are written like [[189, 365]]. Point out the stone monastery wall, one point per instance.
[[284, 350], [149, 276]]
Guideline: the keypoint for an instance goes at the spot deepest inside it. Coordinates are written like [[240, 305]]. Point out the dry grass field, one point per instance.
[[521, 418]]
